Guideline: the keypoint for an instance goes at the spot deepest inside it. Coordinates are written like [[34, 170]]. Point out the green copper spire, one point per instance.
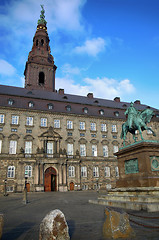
[[42, 16]]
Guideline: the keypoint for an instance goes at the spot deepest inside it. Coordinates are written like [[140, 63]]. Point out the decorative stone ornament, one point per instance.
[[54, 227]]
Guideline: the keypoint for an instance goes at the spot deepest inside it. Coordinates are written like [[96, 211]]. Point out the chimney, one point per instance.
[[61, 91], [137, 102], [117, 99], [90, 95]]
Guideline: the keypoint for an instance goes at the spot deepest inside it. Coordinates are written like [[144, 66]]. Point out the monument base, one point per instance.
[[138, 185]]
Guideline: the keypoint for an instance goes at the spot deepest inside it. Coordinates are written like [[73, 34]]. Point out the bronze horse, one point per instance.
[[139, 122]]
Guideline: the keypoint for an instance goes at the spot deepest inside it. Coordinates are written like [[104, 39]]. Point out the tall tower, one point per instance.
[[40, 68]]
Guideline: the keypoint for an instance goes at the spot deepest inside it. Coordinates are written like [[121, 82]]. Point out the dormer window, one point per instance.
[[30, 104], [41, 78], [10, 101], [101, 112], [50, 106], [116, 114], [65, 97], [68, 108], [96, 101], [85, 110]]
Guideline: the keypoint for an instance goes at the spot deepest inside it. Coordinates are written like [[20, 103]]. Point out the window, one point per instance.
[[116, 114], [69, 124], [11, 172], [101, 112], [42, 42], [82, 150], [84, 171], [12, 147], [107, 171], [95, 172], [28, 147], [1, 129], [93, 135], [1, 118], [104, 136], [71, 171], [94, 150], [50, 106], [69, 149], [105, 151], [14, 130], [49, 147], [103, 127], [85, 110], [41, 78], [0, 146], [43, 122], [10, 101], [82, 134], [82, 125], [29, 121], [69, 134], [114, 129], [116, 171], [28, 131], [68, 108], [56, 123], [15, 120], [31, 104], [28, 171], [93, 126], [115, 149]]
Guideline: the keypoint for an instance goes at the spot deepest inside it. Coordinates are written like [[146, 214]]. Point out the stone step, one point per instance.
[[149, 207], [131, 198]]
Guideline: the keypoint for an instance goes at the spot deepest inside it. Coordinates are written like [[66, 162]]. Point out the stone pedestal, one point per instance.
[[138, 184], [139, 165]]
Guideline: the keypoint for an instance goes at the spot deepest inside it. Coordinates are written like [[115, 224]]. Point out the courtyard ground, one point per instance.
[[85, 220]]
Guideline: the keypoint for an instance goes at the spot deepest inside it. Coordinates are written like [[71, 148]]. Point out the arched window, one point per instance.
[[41, 78], [42, 42], [37, 42]]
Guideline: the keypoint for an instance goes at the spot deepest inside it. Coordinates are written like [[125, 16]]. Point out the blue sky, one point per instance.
[[108, 47]]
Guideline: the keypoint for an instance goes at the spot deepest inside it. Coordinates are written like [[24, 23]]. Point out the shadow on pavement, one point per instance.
[[15, 233]]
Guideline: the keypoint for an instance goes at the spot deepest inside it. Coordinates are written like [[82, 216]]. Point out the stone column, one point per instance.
[[64, 175], [36, 174], [42, 174], [60, 174]]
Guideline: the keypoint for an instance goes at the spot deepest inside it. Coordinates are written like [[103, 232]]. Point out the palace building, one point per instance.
[[59, 141]]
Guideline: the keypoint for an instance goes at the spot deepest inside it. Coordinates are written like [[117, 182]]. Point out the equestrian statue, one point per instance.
[[136, 120]]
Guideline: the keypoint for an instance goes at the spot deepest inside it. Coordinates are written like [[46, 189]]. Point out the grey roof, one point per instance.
[[55, 96]]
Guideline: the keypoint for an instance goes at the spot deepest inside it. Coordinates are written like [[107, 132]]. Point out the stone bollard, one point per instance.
[[54, 226], [117, 225], [25, 199], [1, 225]]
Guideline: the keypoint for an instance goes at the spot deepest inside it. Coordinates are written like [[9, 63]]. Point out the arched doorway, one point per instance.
[[50, 180], [71, 186]]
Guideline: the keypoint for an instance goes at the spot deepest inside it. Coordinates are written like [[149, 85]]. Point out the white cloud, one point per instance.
[[101, 87], [91, 47], [23, 14], [68, 69], [6, 68]]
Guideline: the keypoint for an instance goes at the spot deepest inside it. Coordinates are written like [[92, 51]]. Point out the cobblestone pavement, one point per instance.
[[85, 220]]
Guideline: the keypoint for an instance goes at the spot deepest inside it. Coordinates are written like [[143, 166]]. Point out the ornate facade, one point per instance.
[[58, 141]]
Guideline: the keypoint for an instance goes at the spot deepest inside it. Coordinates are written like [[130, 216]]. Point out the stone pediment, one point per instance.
[[50, 134]]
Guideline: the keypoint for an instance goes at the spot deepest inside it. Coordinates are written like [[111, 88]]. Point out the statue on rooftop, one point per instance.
[[42, 16], [136, 121]]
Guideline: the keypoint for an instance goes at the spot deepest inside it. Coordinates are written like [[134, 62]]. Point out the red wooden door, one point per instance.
[[71, 186], [50, 180]]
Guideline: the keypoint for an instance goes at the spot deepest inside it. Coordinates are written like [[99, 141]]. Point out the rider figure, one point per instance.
[[131, 112]]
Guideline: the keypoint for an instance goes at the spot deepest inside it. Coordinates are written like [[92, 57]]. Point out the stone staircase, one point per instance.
[[145, 199]]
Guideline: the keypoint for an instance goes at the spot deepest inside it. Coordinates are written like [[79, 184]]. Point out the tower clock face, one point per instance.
[[155, 163]]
